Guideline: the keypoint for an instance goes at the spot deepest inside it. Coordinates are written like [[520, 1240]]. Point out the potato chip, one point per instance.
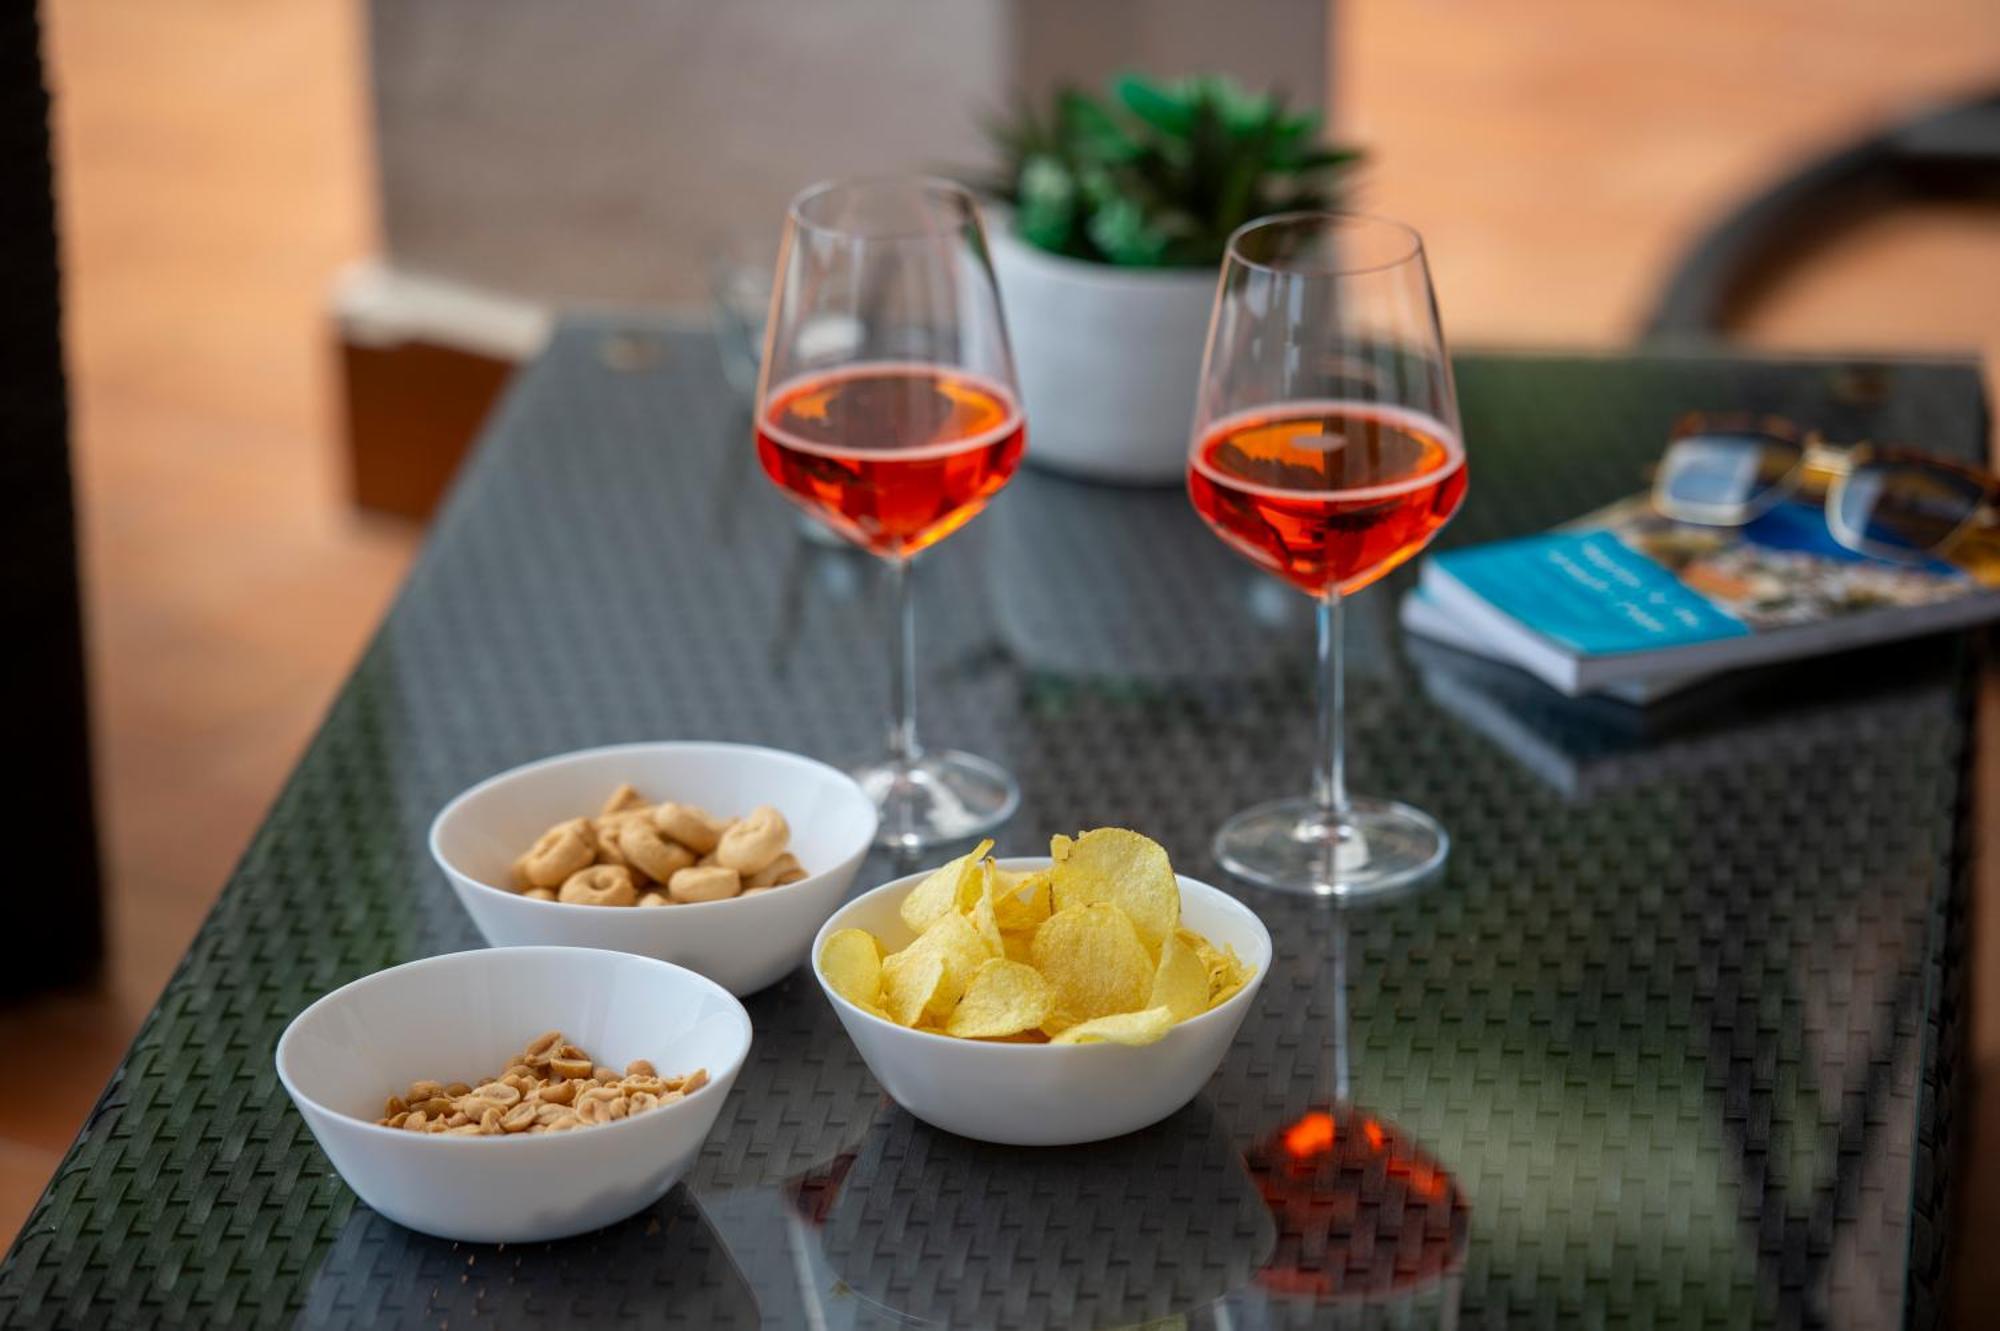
[[1002, 998], [1201, 946], [1227, 974], [1094, 963], [1180, 982], [983, 923], [1142, 1027], [1090, 949], [911, 982], [1020, 899], [852, 962], [953, 888], [959, 947], [1124, 869]]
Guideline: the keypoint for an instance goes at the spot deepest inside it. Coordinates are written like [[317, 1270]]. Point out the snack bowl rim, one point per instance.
[[1242, 997], [847, 862], [722, 1081]]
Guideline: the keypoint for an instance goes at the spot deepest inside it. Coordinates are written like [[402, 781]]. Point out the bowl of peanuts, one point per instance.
[[724, 858], [515, 1095]]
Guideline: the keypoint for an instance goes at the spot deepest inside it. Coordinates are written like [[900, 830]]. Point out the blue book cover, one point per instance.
[[1624, 593]]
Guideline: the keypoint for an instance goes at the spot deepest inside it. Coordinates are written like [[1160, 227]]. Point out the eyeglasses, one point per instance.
[[1726, 470]]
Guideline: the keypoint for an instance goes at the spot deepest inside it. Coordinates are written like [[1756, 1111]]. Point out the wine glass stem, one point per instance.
[[1337, 1072], [903, 749], [1330, 777]]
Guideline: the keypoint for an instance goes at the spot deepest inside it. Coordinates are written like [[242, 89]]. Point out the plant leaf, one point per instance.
[[1163, 110]]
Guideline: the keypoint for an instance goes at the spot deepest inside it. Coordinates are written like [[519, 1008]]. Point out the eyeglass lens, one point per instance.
[[1905, 507], [1723, 477]]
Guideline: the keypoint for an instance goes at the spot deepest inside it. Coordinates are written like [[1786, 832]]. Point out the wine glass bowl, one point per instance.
[[1330, 496], [829, 442], [888, 409], [1326, 450]]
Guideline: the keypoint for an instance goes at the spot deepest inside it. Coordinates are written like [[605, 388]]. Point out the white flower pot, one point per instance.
[[1108, 359]]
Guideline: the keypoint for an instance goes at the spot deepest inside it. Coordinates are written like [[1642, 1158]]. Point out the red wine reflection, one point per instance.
[[1362, 1211]]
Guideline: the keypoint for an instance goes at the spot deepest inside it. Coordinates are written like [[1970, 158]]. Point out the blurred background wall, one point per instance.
[[653, 134], [218, 169]]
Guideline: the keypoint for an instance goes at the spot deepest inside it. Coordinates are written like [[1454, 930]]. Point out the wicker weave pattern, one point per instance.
[[1679, 1040]]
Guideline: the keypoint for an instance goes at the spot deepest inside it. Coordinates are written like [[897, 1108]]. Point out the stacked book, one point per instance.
[[1640, 631], [1635, 606]]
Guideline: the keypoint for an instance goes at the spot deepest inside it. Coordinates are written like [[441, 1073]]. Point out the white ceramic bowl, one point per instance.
[[459, 1017], [1109, 358], [1047, 1095], [742, 944]]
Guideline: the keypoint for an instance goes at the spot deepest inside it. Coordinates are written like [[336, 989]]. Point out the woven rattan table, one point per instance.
[[1675, 1034]]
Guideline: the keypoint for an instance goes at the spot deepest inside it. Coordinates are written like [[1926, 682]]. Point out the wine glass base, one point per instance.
[[1288, 845], [937, 799]]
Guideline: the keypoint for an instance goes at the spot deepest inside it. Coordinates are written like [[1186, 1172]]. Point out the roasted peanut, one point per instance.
[[497, 1092], [551, 1086], [697, 884], [600, 885]]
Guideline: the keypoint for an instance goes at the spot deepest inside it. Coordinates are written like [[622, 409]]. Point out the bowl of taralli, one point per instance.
[[1048, 1001], [724, 858]]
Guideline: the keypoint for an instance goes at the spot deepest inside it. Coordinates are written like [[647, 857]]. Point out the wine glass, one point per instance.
[[1326, 449], [888, 409]]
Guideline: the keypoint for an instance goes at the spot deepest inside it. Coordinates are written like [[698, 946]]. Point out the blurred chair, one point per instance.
[[1947, 154], [53, 906]]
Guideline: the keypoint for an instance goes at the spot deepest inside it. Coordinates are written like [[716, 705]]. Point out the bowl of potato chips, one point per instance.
[[1044, 1002]]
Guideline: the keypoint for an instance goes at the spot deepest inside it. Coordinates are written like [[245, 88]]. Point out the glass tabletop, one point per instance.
[[1666, 1045]]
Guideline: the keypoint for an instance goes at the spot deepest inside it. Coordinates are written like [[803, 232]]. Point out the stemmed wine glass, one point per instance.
[[1326, 448], [888, 409]]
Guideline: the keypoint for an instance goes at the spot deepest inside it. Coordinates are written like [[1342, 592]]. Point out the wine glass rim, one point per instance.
[[1329, 218], [917, 181]]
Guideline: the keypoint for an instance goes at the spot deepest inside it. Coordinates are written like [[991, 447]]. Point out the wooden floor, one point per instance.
[[211, 168], [1558, 154]]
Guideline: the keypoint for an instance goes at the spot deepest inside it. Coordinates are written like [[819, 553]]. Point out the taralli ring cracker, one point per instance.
[[1089, 951], [632, 852], [560, 852], [599, 885], [753, 842]]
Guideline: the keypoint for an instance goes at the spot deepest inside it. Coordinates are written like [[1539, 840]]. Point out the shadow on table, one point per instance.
[[1585, 748], [664, 1266], [925, 1227]]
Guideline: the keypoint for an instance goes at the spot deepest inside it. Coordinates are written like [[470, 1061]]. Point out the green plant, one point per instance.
[[1158, 174]]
